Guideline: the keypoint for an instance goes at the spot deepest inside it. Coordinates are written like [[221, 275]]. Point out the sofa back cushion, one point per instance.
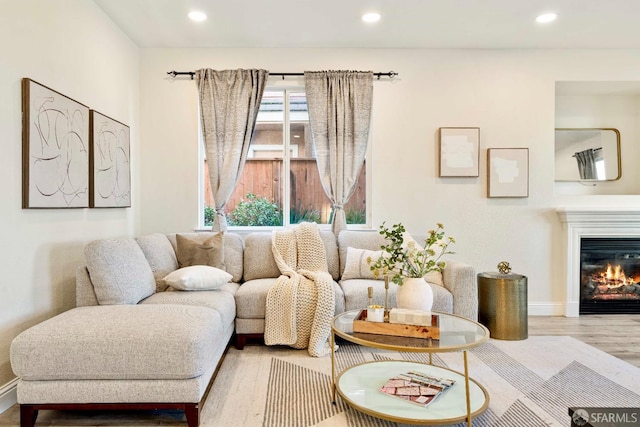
[[370, 240], [160, 255], [357, 264], [259, 262], [200, 251], [119, 271], [233, 248]]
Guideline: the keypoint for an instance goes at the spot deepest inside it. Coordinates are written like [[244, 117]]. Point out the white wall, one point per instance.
[[72, 47], [509, 94]]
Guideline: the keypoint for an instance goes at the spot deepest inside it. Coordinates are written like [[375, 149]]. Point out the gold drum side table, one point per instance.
[[502, 305]]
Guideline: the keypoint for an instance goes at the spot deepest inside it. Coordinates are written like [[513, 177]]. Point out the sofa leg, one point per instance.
[[28, 415], [241, 340], [192, 412]]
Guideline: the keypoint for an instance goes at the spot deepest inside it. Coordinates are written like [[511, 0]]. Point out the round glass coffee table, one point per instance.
[[359, 385]]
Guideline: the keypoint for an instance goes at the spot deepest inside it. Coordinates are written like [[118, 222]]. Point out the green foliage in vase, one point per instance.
[[404, 257]]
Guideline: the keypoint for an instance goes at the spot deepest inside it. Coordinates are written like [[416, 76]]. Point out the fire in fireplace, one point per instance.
[[609, 275]]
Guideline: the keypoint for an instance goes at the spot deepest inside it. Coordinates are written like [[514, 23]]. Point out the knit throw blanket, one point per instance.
[[300, 306]]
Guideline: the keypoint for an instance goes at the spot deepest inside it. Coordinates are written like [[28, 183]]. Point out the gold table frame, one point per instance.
[[416, 345]]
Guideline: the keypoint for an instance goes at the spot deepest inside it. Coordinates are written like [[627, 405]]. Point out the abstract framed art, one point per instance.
[[55, 149], [459, 151], [508, 170], [110, 166]]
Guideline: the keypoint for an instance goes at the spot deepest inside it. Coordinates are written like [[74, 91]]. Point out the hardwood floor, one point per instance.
[[616, 334]]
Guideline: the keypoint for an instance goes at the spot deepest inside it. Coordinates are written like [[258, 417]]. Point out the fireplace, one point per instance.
[[609, 275], [611, 222]]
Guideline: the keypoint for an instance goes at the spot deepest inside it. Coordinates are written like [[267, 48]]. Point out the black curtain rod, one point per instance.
[[390, 74]]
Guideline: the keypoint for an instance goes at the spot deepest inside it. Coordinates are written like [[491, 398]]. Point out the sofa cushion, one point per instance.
[[160, 255], [259, 262], [201, 250], [197, 277], [251, 298], [373, 241], [234, 255], [362, 239], [434, 277], [233, 250], [331, 249], [119, 271], [357, 264], [221, 300], [356, 298], [119, 343]]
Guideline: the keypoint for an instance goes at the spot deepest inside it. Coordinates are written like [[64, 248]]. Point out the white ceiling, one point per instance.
[[404, 23]]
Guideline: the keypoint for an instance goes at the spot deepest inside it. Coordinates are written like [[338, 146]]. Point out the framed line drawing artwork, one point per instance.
[[110, 166], [55, 149], [459, 152], [508, 170]]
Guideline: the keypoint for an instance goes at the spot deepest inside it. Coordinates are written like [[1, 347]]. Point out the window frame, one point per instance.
[[286, 203]]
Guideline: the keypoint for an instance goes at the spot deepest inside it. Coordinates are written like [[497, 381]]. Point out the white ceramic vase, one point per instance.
[[415, 293]]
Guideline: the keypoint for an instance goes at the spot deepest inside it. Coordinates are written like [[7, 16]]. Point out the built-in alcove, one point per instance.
[[592, 105]]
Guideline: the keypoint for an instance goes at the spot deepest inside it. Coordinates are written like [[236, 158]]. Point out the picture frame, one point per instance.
[[508, 170], [459, 151], [55, 149], [110, 162]]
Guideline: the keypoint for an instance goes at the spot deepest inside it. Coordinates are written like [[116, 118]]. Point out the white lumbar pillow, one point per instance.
[[357, 263], [197, 278]]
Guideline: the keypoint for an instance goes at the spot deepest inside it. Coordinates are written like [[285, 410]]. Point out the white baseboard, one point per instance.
[[545, 309], [8, 395]]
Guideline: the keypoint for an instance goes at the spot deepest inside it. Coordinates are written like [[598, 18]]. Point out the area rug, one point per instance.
[[531, 382]]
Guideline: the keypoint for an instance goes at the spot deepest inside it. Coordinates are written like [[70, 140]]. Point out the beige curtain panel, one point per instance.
[[229, 104], [339, 105]]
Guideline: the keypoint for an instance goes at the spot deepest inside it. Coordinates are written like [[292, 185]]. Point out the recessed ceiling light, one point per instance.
[[546, 18], [371, 17], [197, 16]]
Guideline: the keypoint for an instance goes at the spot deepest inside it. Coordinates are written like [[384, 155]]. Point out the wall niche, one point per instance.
[[592, 104]]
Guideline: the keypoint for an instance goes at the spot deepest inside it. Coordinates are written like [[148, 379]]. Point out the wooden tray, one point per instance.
[[360, 324]]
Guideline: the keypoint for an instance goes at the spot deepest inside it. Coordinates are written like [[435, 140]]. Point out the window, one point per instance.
[[280, 183]]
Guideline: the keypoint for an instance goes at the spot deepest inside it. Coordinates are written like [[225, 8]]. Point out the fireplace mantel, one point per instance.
[[591, 222], [600, 215]]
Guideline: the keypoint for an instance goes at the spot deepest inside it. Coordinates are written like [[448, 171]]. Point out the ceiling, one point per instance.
[[404, 24]]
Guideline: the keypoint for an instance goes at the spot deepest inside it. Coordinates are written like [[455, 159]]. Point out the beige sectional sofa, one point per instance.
[[134, 343]]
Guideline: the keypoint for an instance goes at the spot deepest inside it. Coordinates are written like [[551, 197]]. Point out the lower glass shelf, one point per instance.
[[359, 387]]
